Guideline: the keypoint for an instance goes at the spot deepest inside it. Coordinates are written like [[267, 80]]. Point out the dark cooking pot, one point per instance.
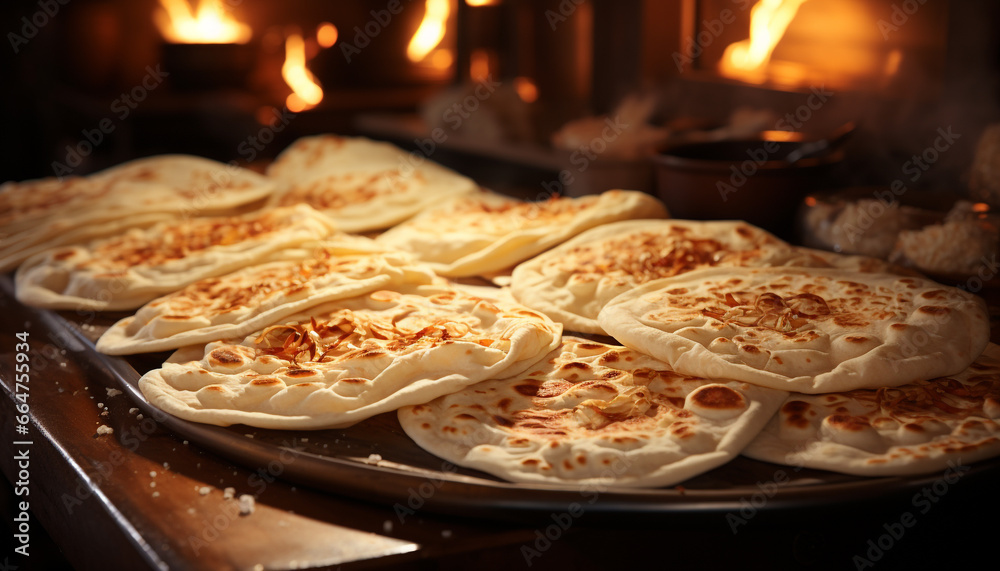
[[742, 180]]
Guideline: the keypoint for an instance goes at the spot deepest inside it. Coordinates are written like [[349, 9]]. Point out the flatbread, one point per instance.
[[487, 233], [129, 270], [573, 281], [808, 330], [236, 304], [593, 413], [363, 185], [923, 427], [42, 214], [351, 359]]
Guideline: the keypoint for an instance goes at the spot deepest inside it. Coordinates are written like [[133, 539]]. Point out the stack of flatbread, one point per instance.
[[344, 361], [487, 233], [236, 304], [362, 185], [572, 282], [916, 428], [592, 413], [126, 271], [42, 214], [716, 338]]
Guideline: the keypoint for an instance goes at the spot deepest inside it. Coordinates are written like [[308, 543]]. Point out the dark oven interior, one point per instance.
[[91, 83]]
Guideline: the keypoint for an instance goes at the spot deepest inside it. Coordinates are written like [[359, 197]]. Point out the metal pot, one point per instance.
[[742, 179]]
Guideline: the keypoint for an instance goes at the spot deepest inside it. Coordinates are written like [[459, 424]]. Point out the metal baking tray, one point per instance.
[[375, 461]]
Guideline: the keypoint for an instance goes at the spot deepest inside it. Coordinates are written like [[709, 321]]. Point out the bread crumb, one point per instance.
[[100, 405], [133, 410], [113, 392], [229, 493], [152, 484], [248, 435], [304, 439], [247, 506], [374, 458], [204, 490], [138, 417], [156, 494], [387, 526], [152, 473], [102, 429]]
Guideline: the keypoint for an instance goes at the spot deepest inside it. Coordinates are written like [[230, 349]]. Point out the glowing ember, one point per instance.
[[526, 89], [431, 30], [306, 91], [892, 62], [479, 65], [208, 24], [326, 34], [768, 21], [442, 58]]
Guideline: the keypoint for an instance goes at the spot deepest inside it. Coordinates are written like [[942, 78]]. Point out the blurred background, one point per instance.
[[528, 95]]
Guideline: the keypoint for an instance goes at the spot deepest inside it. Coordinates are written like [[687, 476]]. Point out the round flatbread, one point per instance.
[[572, 282], [362, 185], [487, 233], [917, 428], [808, 330], [593, 413], [129, 270], [236, 304], [42, 214], [345, 361]]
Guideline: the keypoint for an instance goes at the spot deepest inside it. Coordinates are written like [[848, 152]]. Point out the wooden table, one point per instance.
[[142, 497]]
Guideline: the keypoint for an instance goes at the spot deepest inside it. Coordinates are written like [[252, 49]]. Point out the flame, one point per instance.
[[442, 58], [892, 62], [479, 65], [475, 3], [526, 89], [208, 24], [431, 30], [768, 21], [306, 91], [326, 34]]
